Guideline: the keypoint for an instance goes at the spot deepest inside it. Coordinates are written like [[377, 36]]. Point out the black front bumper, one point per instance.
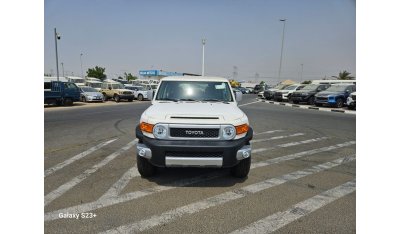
[[228, 149]]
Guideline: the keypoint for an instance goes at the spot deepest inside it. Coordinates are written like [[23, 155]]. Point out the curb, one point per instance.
[[309, 107]]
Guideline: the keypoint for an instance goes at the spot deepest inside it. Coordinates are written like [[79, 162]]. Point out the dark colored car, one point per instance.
[[307, 94], [243, 90], [259, 88], [270, 92], [336, 95], [61, 93]]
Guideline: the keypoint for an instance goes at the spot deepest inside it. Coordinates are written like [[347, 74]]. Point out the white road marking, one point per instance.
[[289, 144], [280, 219], [67, 186], [248, 103], [223, 198], [53, 215], [109, 201], [266, 132], [277, 137], [300, 154], [76, 157], [118, 186]]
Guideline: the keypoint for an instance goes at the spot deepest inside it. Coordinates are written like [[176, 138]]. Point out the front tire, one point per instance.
[[104, 97], [83, 99], [145, 168], [339, 103], [311, 101], [242, 169], [117, 98], [140, 97]]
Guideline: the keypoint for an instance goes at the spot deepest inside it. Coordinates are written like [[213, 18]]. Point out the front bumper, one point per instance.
[[126, 96], [194, 153]]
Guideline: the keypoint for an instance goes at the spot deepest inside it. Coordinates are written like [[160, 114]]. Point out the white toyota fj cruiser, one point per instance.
[[194, 121]]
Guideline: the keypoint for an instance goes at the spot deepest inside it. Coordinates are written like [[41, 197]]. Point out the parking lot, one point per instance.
[[302, 178]]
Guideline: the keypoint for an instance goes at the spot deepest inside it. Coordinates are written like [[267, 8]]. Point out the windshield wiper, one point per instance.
[[187, 99], [168, 99], [215, 100]]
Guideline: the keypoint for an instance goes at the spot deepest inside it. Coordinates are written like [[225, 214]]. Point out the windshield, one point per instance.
[[77, 80], [95, 85], [88, 89], [117, 86], [337, 88], [194, 91], [280, 86], [310, 87], [292, 87]]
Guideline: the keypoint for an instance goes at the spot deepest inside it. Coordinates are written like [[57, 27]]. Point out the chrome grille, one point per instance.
[[194, 154]]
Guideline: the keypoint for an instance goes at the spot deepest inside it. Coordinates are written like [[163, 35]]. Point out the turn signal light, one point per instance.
[[242, 129], [146, 127]]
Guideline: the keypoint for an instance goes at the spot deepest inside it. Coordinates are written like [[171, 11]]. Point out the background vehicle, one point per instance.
[[115, 90], [89, 94], [61, 93], [269, 93], [259, 88], [307, 94], [93, 82], [79, 81], [336, 95], [194, 122], [351, 101], [285, 93], [140, 93]]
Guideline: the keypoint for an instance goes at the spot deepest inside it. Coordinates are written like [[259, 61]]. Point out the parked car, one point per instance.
[[259, 88], [336, 95], [89, 94], [243, 90], [351, 101], [61, 93], [269, 93], [285, 93], [307, 94], [115, 90], [140, 93]]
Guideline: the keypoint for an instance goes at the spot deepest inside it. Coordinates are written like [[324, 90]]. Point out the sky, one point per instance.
[[132, 35]]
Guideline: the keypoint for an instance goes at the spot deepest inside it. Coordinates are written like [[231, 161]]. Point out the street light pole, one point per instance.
[[203, 41], [81, 65], [62, 66], [283, 37], [57, 37]]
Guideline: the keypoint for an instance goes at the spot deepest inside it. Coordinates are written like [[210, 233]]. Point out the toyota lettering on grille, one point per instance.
[[194, 132]]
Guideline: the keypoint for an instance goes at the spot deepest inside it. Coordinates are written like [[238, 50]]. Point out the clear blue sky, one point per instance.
[[128, 36]]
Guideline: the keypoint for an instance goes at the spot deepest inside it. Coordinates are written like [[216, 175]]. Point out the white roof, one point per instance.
[[194, 78], [54, 78]]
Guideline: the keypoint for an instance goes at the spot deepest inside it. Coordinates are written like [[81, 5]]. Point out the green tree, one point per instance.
[[97, 72], [306, 82], [344, 75], [129, 76]]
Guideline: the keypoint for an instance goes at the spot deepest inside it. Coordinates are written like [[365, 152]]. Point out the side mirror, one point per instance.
[[238, 96], [109, 88]]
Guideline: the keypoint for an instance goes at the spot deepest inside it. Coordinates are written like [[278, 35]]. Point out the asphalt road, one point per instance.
[[302, 178]]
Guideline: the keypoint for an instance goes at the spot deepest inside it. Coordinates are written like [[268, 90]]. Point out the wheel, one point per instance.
[[68, 102], [140, 97], [311, 101], [317, 104], [83, 99], [117, 98], [105, 97], [145, 168], [339, 103], [242, 169], [130, 100], [295, 102]]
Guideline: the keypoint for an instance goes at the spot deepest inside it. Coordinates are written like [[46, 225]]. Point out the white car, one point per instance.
[[194, 121], [140, 93], [351, 101], [284, 94]]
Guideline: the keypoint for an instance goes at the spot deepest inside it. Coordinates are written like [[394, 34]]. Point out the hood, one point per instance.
[[124, 90], [92, 93], [197, 112], [328, 93]]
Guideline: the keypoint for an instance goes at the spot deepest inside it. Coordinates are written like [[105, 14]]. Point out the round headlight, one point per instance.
[[228, 132], [160, 131]]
